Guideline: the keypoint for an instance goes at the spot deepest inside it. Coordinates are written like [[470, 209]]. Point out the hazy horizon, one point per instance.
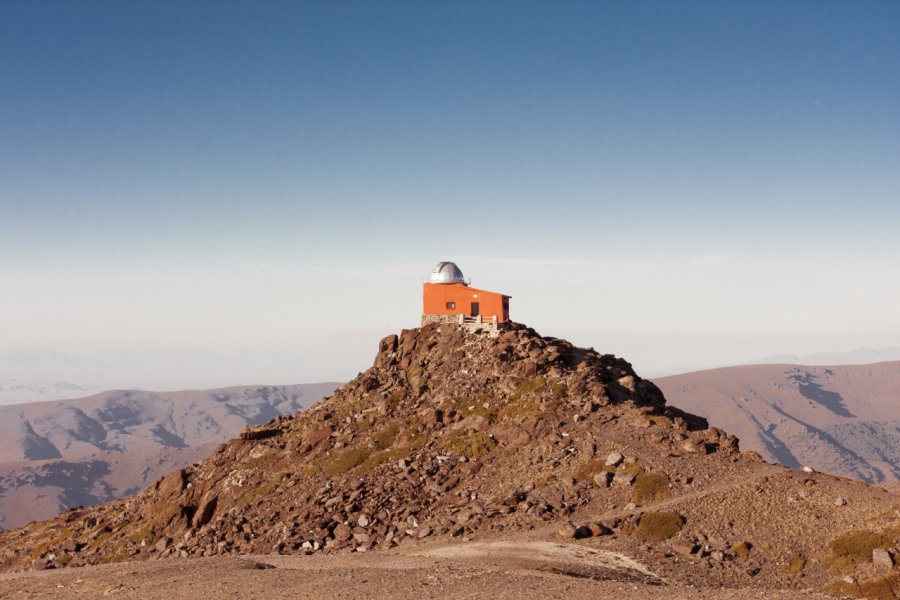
[[195, 195]]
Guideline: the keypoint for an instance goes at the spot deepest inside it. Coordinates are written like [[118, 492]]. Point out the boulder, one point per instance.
[[205, 511], [172, 485], [510, 434], [882, 558], [623, 478], [342, 533], [567, 531], [614, 459]]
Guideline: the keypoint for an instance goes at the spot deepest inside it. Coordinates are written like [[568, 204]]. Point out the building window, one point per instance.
[[451, 305]]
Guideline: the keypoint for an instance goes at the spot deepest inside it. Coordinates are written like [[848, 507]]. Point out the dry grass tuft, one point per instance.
[[379, 458], [384, 439], [417, 378], [586, 470], [469, 443], [261, 491], [650, 487], [530, 386], [468, 407], [657, 526], [794, 565], [741, 550], [150, 528], [883, 588], [852, 548], [632, 468], [341, 462], [559, 391]]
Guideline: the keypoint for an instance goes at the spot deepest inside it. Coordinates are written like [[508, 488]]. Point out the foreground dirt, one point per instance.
[[497, 571]]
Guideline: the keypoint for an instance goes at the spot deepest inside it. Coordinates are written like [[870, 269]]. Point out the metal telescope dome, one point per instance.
[[446, 272]]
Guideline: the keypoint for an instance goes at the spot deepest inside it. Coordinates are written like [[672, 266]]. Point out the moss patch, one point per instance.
[[650, 487], [632, 467], [384, 439], [530, 385], [468, 407], [852, 548], [883, 588], [559, 391], [468, 443], [588, 469], [417, 378], [794, 565], [379, 458], [259, 491], [657, 526], [741, 550], [150, 528], [341, 462]]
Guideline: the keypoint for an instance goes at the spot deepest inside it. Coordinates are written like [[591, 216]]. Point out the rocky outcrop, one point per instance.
[[449, 433]]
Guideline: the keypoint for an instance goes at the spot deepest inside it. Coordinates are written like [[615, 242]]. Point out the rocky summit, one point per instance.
[[458, 436]]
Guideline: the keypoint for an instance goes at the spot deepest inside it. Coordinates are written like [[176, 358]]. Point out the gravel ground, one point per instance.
[[483, 571]]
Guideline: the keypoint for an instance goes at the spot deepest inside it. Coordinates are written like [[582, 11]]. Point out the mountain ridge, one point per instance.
[[841, 419], [55, 455]]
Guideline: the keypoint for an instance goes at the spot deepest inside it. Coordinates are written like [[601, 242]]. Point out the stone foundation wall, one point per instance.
[[488, 325], [426, 319]]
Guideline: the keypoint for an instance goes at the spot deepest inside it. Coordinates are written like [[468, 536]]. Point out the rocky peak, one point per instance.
[[450, 432]]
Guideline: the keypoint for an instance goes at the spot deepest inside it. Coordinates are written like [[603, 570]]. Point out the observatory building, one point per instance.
[[447, 297]]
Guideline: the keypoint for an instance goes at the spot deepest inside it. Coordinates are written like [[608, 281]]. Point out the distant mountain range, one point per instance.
[[840, 419], [862, 356], [18, 392], [56, 455]]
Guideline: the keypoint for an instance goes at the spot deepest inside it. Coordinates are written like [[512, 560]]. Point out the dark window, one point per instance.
[[474, 309], [451, 305]]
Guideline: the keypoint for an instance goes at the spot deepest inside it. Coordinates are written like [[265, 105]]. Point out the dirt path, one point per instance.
[[496, 571]]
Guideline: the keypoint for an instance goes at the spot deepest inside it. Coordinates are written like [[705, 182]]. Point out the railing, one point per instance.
[[477, 320]]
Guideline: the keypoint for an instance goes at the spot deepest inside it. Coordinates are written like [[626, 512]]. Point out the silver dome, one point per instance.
[[446, 272]]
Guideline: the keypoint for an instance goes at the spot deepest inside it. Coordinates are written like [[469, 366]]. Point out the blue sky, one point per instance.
[[258, 179]]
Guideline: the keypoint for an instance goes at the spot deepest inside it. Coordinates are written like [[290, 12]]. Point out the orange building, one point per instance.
[[446, 296]]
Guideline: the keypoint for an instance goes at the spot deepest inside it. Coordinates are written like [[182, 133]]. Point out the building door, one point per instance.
[[474, 309]]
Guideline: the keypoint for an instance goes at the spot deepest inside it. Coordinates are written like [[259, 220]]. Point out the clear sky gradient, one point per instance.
[[195, 194]]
